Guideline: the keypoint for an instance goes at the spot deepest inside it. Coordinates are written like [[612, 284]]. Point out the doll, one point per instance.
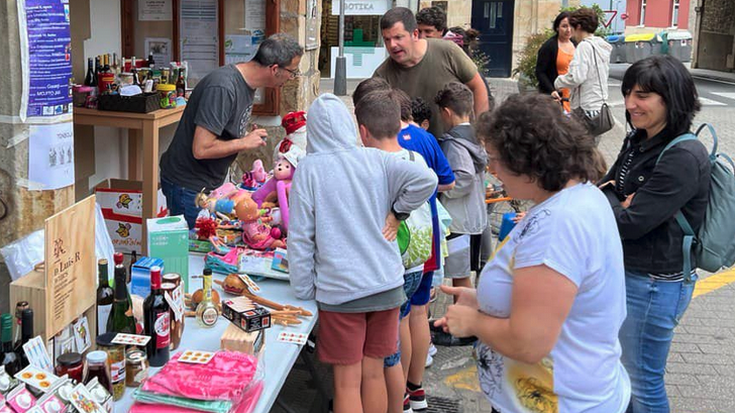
[[295, 125], [255, 234], [278, 187]]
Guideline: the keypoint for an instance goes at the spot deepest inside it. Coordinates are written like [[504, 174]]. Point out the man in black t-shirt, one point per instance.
[[213, 128]]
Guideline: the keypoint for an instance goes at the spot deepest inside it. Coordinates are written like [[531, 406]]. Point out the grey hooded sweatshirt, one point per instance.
[[339, 200], [466, 201]]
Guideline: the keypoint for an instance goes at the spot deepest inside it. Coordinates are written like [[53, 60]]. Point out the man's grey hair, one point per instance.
[[279, 49]]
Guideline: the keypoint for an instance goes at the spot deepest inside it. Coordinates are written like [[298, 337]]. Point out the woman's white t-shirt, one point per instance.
[[575, 234]]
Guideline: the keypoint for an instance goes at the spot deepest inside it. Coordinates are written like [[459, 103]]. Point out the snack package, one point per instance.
[[100, 395], [50, 403], [62, 390], [83, 401], [37, 378], [7, 382], [20, 399]]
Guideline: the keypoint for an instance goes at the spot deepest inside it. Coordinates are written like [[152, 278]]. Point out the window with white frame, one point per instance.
[[643, 13], [675, 13]]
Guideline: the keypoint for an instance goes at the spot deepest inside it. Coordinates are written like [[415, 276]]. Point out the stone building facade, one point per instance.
[[714, 35]]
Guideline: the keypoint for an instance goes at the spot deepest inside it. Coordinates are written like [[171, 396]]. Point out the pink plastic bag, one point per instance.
[[225, 377]]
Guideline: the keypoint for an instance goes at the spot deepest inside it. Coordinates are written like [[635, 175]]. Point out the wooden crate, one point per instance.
[[64, 287]]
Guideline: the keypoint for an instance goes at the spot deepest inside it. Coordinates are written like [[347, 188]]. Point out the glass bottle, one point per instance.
[[207, 312], [118, 257], [97, 366], [105, 296], [19, 307], [181, 83], [157, 322], [89, 79], [121, 318], [27, 327], [9, 358]]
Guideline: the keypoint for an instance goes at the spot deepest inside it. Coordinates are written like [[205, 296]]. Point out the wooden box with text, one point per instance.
[[64, 287]]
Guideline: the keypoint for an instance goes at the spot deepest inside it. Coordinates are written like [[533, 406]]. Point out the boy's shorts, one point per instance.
[[346, 338], [423, 293], [464, 255]]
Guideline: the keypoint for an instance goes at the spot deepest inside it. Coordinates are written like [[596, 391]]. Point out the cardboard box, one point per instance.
[[140, 277], [122, 205], [246, 315], [168, 239], [234, 339]]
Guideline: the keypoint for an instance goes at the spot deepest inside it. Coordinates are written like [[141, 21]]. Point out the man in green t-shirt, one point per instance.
[[422, 67]]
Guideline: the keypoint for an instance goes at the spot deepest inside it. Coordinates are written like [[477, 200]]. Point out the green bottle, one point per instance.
[[10, 359], [121, 316]]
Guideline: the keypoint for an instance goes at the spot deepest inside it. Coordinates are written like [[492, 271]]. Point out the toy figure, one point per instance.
[[278, 187], [256, 177], [255, 234], [295, 125]]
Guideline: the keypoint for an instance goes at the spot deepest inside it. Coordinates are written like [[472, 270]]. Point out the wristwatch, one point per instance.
[[401, 216]]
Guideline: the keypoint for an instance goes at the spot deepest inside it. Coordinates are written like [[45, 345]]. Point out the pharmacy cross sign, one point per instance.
[[609, 16]]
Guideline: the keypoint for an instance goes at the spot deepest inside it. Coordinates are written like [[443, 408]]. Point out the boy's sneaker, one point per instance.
[[407, 404], [432, 349], [429, 361], [417, 398]]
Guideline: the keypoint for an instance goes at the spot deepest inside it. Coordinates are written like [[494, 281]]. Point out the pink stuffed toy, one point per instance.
[[256, 177], [278, 187]]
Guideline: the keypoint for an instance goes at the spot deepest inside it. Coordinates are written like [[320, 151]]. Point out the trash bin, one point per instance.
[[640, 46], [679, 45], [618, 51]]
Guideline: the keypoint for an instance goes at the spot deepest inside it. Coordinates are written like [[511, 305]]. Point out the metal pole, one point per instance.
[[340, 72]]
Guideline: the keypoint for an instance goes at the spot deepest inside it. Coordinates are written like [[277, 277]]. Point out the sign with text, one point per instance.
[[363, 7], [70, 264]]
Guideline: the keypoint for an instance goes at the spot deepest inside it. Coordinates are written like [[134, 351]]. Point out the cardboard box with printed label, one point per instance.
[[168, 239], [122, 205]]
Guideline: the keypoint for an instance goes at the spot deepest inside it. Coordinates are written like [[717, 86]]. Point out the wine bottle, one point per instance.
[[207, 312], [19, 307], [27, 335], [95, 72], [9, 358], [121, 318], [181, 83], [157, 321], [115, 66], [118, 257], [105, 296], [151, 62], [90, 73]]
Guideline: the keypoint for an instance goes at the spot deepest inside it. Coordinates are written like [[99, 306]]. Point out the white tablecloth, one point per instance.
[[278, 357]]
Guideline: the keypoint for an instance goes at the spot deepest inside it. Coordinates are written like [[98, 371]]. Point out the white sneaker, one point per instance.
[[432, 350], [429, 361]]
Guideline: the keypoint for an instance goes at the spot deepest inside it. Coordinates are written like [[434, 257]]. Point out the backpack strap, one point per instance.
[[411, 156], [689, 235]]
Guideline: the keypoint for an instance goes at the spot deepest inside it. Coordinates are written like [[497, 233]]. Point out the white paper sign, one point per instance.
[[154, 10], [51, 156], [199, 38], [363, 7], [255, 15], [160, 47]]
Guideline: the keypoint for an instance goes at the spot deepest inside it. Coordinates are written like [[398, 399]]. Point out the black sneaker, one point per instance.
[[440, 338]]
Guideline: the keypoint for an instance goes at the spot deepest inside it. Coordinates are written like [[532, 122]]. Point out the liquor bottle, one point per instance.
[[181, 84], [27, 335], [207, 312], [90, 73], [105, 296], [9, 358], [157, 321], [121, 318], [114, 66], [151, 62]]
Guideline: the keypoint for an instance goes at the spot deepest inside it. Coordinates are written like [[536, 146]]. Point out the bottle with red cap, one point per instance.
[[157, 321]]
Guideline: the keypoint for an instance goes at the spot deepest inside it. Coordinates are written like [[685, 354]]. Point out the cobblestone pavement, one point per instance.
[[701, 368]]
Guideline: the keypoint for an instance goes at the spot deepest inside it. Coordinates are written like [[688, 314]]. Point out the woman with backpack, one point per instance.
[[646, 193]]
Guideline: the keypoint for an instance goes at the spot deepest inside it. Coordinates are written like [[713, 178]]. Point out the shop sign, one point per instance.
[[362, 7]]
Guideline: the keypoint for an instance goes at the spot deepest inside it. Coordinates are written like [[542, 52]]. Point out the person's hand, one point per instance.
[[390, 230], [459, 320], [465, 296], [604, 184], [519, 216], [254, 139], [628, 200], [557, 97]]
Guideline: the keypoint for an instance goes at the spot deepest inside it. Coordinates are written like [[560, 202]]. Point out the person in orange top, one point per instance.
[[554, 57]]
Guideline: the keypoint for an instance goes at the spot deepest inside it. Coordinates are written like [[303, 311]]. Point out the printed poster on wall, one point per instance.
[[199, 39], [312, 24], [154, 10], [51, 156], [48, 41]]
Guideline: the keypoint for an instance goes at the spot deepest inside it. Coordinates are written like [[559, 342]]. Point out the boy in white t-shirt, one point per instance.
[[379, 121]]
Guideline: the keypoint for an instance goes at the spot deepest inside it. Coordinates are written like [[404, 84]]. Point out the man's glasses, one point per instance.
[[294, 73]]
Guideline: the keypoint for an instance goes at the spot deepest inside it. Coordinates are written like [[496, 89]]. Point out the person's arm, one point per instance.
[[301, 242], [578, 68], [445, 188], [479, 91], [673, 183], [207, 145], [535, 321], [411, 184], [463, 169], [543, 60], [441, 167]]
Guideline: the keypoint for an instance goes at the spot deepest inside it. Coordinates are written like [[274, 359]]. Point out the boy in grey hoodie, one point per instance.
[[466, 201], [342, 251]]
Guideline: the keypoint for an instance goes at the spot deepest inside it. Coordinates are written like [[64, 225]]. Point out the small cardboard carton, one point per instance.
[[140, 277], [168, 239]]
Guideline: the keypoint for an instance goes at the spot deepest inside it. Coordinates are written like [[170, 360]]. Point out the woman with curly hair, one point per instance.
[[551, 300]]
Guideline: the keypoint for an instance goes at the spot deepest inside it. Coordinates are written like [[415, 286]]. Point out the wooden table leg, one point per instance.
[[150, 176], [134, 155]]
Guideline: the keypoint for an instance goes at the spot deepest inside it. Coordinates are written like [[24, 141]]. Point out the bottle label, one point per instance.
[[209, 316], [117, 371], [162, 327], [103, 313]]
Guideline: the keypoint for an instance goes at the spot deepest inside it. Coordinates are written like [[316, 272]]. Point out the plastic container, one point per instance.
[[167, 94], [507, 225]]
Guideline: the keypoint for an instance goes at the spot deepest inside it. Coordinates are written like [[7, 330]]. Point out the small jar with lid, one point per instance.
[[116, 358], [70, 364], [136, 367], [97, 367], [167, 95]]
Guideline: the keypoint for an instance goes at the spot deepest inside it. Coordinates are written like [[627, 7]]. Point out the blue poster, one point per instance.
[[49, 52]]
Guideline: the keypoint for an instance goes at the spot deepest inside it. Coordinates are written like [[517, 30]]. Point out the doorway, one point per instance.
[[494, 20]]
